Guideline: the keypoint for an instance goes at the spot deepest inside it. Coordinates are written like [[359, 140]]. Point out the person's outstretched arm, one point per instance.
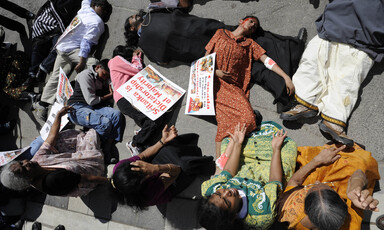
[[359, 194], [271, 64], [276, 170], [325, 157], [51, 139], [168, 134], [232, 165]]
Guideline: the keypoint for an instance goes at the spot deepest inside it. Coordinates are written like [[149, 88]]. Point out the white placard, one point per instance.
[[151, 93], [51, 118], [200, 100]]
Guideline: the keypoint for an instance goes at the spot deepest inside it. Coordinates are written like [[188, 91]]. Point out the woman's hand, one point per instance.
[[239, 134], [168, 134], [278, 139], [64, 110], [138, 52], [223, 75], [290, 86], [145, 167], [363, 199], [328, 156]]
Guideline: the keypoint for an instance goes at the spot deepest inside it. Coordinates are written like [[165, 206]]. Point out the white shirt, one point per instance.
[[85, 34]]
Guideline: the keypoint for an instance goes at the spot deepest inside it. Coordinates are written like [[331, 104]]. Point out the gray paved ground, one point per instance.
[[284, 17]]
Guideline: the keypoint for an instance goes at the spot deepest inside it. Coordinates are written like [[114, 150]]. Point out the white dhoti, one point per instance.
[[329, 77]]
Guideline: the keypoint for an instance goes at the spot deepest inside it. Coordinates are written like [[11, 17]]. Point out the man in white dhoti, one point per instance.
[[335, 63]]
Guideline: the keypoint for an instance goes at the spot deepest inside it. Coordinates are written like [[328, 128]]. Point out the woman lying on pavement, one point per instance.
[[69, 163], [330, 190], [161, 171], [245, 192], [165, 36]]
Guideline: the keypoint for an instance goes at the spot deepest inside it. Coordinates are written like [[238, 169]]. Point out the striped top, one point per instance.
[[47, 22]]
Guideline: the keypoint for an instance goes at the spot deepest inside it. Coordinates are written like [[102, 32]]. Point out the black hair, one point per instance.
[[128, 187], [131, 37], [107, 8], [213, 218], [325, 209], [124, 51], [104, 64], [259, 30]]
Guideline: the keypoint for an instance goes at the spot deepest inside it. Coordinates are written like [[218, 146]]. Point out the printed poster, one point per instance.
[[51, 118], [151, 93], [200, 99], [8, 156], [64, 89]]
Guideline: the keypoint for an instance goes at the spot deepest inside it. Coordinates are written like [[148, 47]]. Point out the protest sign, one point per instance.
[[64, 88], [8, 156], [151, 93], [200, 99], [51, 118]]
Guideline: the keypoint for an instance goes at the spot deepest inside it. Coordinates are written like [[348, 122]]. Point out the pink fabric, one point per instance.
[[121, 71], [77, 152]]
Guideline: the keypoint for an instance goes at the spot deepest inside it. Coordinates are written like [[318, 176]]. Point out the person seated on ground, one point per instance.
[[69, 163], [73, 48], [88, 100], [50, 22], [336, 62], [234, 55], [121, 71], [161, 171], [245, 192], [165, 36], [330, 189]]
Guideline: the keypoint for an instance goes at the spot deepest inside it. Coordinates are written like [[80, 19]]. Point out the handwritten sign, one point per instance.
[[151, 93], [200, 99]]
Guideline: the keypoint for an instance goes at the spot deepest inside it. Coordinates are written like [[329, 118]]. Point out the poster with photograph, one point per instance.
[[51, 118], [200, 100], [8, 156], [64, 89], [151, 93]]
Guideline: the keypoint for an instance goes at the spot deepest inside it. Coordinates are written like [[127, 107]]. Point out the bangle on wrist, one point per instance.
[[161, 142]]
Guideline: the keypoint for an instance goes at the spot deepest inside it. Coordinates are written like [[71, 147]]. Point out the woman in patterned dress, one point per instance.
[[245, 192], [234, 55]]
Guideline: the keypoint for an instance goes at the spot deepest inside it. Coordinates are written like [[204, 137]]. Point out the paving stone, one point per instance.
[[181, 214], [148, 219]]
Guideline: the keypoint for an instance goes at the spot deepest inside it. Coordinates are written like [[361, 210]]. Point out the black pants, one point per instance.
[[149, 129], [42, 53]]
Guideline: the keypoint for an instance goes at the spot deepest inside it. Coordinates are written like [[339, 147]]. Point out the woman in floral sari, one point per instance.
[[69, 163]]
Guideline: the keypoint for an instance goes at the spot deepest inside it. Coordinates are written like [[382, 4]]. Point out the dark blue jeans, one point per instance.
[[107, 122]]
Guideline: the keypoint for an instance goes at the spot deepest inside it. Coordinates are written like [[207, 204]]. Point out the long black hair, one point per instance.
[[213, 218], [124, 51], [325, 209], [131, 37], [128, 187]]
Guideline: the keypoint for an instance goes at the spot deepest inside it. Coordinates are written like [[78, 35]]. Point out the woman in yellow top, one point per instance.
[[330, 190]]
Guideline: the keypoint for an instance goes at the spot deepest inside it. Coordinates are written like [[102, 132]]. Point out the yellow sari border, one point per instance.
[[333, 120], [306, 104]]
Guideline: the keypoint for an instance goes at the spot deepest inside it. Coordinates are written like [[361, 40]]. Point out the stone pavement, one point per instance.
[[284, 17]]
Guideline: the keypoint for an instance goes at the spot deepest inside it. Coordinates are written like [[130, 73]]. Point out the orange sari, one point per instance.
[[339, 172]]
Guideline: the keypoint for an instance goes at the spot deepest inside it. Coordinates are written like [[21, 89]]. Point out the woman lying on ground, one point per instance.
[[330, 190], [125, 64], [161, 171], [69, 163], [245, 192], [176, 35], [234, 55]]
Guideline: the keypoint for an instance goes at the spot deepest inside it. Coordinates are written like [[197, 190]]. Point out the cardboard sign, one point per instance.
[[151, 93], [200, 100], [8, 156]]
